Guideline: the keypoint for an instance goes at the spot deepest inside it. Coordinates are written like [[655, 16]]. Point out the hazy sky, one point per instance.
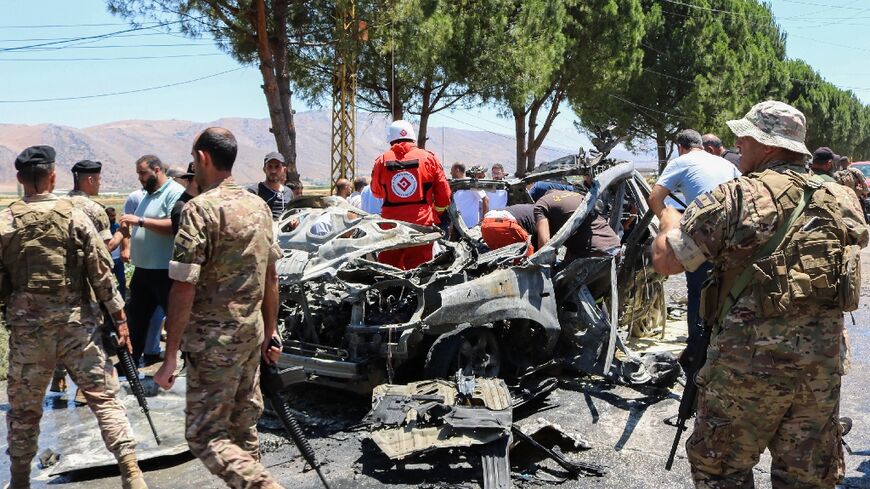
[[832, 35]]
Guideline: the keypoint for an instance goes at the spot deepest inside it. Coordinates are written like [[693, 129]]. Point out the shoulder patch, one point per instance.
[[705, 200]]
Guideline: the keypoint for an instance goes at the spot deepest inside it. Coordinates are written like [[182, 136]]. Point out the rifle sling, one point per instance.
[[745, 277]]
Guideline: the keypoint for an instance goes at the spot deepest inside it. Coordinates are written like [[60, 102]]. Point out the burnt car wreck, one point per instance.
[[353, 323]]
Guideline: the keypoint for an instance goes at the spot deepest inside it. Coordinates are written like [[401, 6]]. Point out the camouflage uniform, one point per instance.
[[224, 244], [51, 325], [96, 212], [854, 179], [772, 377]]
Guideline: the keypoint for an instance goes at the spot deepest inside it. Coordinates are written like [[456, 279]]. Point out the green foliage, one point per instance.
[[701, 62], [835, 117]]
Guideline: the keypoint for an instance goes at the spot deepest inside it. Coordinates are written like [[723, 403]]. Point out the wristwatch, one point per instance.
[[141, 222]]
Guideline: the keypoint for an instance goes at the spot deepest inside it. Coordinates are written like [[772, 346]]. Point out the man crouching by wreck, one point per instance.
[[785, 253], [50, 255], [226, 287]]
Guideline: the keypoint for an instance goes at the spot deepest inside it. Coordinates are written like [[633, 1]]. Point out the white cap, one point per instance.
[[401, 129]]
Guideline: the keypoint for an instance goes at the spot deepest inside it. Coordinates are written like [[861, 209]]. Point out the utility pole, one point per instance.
[[348, 35]]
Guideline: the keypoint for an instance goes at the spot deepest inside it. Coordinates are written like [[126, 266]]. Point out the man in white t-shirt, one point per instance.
[[471, 204], [359, 184], [695, 172], [498, 199]]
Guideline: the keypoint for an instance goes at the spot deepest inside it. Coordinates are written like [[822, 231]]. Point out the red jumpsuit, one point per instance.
[[414, 188]]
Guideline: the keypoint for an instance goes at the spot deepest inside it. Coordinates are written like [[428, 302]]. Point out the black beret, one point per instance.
[[34, 155], [87, 166]]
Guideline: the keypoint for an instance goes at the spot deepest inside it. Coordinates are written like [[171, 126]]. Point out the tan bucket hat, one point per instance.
[[774, 123]]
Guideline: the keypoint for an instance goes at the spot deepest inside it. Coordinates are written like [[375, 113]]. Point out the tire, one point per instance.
[[475, 350]]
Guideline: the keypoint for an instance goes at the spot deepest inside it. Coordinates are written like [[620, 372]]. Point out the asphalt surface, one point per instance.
[[624, 427]]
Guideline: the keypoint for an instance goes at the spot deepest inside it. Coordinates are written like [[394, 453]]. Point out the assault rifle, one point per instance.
[[272, 382], [125, 360], [697, 354]]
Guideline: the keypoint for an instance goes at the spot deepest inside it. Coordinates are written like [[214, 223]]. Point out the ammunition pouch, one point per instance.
[[785, 278], [849, 279], [806, 260]]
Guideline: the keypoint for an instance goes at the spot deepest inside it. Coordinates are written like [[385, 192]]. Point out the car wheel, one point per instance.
[[474, 350]]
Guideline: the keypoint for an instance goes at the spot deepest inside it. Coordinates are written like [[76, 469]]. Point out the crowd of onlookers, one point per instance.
[[143, 234]]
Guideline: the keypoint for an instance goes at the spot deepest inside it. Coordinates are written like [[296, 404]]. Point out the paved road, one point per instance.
[[623, 425]]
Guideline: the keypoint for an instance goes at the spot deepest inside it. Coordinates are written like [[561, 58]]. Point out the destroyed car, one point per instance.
[[353, 323]]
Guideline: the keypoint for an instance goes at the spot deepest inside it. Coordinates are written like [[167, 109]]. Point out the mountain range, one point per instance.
[[118, 144]]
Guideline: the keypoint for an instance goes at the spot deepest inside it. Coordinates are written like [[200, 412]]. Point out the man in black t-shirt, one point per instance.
[[594, 237], [272, 190], [191, 190], [536, 223]]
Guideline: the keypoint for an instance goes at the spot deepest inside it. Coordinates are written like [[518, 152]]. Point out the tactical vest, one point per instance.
[[405, 183], [812, 263], [39, 254]]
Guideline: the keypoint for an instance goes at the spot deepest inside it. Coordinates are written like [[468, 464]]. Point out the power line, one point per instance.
[[85, 38], [53, 26], [141, 34], [114, 46], [138, 90], [477, 127], [120, 58], [842, 7]]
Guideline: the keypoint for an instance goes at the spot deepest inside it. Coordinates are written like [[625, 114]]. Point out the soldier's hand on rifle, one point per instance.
[[271, 349], [120, 320], [165, 375]]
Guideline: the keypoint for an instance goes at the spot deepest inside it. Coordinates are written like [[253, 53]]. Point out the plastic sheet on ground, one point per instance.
[[73, 433]]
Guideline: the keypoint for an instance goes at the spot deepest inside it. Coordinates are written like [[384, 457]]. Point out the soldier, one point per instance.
[[823, 163], [853, 178], [785, 251], [46, 247], [86, 184], [225, 284]]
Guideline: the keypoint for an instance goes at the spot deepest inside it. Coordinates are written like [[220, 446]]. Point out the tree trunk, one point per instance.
[[520, 134], [395, 104], [536, 142], [280, 127], [661, 149], [530, 139], [280, 54], [425, 112]]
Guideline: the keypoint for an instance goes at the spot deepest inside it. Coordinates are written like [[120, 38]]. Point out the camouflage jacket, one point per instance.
[[854, 179], [728, 226], [94, 210], [64, 304], [224, 245]]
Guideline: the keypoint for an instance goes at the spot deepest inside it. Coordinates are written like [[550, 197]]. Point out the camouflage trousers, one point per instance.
[[740, 415], [223, 405], [34, 350]]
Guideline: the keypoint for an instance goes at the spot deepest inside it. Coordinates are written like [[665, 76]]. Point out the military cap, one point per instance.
[[87, 166], [190, 173], [774, 123], [274, 155], [476, 169], [35, 155], [824, 154]]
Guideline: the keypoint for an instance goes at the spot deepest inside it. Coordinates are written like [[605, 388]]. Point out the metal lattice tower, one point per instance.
[[344, 94]]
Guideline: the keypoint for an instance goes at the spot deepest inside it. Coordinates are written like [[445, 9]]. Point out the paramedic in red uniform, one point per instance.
[[414, 188]]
